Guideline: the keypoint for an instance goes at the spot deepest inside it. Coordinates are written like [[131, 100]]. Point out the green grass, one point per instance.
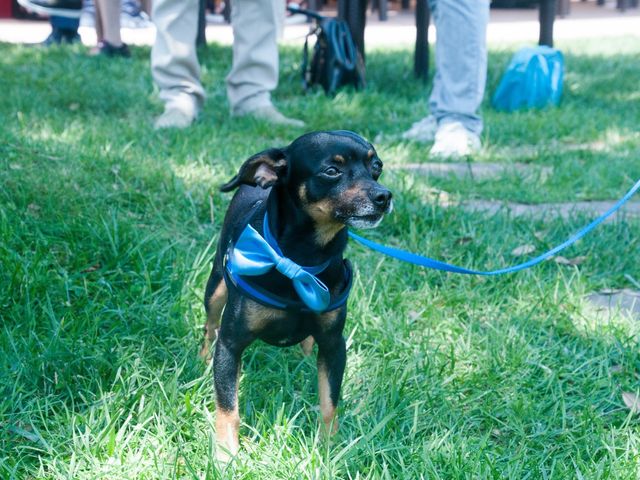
[[106, 236]]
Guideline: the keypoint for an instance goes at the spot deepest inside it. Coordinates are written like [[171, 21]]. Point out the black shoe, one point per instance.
[[54, 38], [60, 8], [60, 36], [70, 36], [105, 48]]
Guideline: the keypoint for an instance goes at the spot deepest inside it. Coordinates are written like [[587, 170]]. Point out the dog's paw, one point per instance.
[[205, 353], [224, 456], [307, 345], [330, 426], [227, 448], [207, 343]]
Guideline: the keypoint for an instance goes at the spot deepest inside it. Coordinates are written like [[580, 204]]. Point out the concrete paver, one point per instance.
[[562, 210], [478, 171], [625, 301]]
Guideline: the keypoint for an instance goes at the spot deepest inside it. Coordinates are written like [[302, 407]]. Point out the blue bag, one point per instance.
[[533, 80]]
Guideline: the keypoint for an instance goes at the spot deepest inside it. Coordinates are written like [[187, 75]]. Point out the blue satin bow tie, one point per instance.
[[254, 255]]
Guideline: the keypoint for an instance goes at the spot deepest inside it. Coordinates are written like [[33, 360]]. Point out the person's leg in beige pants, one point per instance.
[[256, 25], [174, 63]]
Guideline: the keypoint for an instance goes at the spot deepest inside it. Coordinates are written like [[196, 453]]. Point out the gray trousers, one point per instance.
[[461, 61], [256, 25]]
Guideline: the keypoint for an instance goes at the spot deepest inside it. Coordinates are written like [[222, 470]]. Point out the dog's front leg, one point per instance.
[[332, 356], [226, 371], [215, 299]]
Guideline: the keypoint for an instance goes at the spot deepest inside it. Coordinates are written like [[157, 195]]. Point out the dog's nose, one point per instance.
[[380, 197]]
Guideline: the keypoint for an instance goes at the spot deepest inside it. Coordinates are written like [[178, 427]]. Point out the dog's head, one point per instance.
[[332, 176]]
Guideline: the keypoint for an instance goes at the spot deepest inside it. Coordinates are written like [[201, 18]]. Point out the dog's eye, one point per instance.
[[376, 167], [331, 172]]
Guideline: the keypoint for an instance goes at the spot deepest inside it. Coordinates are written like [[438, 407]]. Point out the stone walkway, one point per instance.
[[562, 210], [483, 171], [624, 301], [479, 171]]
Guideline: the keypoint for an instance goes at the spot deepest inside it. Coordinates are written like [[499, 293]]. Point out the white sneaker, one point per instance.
[[270, 114], [173, 118], [452, 139], [423, 130]]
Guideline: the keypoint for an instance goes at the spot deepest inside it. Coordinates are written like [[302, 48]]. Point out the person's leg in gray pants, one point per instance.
[[460, 77]]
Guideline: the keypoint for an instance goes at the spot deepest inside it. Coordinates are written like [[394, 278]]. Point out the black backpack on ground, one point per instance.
[[335, 60]]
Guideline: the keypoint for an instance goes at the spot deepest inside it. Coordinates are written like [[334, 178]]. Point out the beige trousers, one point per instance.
[[256, 25]]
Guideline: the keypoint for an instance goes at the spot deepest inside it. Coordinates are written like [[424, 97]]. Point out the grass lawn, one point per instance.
[[107, 230]]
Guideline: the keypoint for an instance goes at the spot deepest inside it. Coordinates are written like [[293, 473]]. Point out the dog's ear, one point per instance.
[[263, 169]]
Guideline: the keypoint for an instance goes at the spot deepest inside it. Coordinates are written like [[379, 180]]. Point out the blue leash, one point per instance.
[[435, 264]]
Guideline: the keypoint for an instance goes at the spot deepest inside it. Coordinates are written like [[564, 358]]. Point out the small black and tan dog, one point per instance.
[[297, 200]]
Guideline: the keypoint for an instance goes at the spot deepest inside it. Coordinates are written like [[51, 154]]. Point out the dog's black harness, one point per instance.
[[272, 300], [254, 245]]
